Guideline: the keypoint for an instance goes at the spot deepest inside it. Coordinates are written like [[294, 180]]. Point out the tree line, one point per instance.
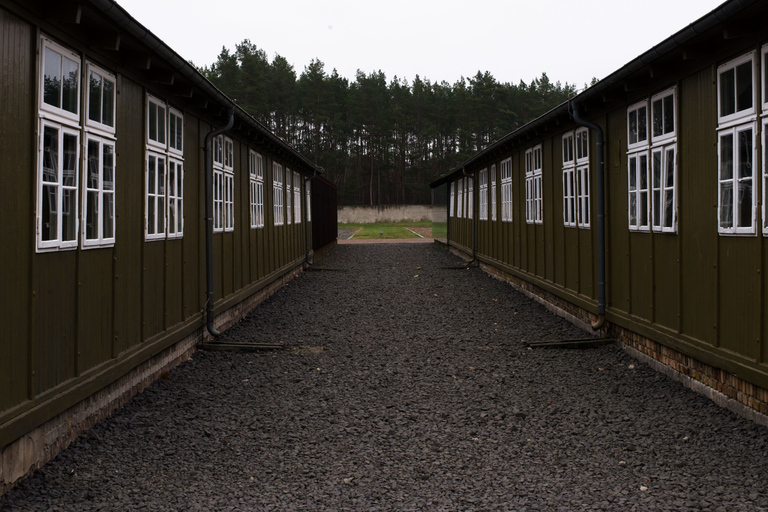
[[380, 141]]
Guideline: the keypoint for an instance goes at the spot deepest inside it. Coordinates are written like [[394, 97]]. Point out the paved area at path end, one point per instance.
[[407, 385]]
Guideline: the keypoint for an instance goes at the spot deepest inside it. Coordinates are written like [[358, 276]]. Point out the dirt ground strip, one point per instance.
[[406, 385]]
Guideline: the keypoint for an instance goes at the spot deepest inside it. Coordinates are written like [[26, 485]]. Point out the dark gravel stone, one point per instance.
[[407, 386]]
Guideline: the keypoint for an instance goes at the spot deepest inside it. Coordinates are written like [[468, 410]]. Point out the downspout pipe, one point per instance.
[[599, 145], [306, 218], [208, 155], [474, 218]]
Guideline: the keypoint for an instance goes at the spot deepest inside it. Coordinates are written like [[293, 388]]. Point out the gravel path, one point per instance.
[[406, 386]]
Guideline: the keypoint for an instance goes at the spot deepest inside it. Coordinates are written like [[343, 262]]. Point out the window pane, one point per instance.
[[744, 86], [69, 214], [94, 97], [92, 178], [108, 109], [51, 155], [108, 164], [50, 218], [643, 209], [71, 76], [171, 178], [109, 215], [92, 216], [745, 154], [726, 156], [670, 168], [152, 121], [669, 114], [160, 124], [726, 204], [69, 166], [160, 177], [658, 121], [632, 173], [643, 172], [151, 170], [633, 127], [656, 169], [52, 78], [668, 198], [727, 93], [642, 123]]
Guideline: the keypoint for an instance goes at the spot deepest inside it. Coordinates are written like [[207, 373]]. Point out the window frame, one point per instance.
[[277, 194], [52, 112], [58, 243], [734, 229], [173, 112], [568, 151], [256, 180], [665, 137], [640, 143], [155, 143], [637, 226], [100, 240], [506, 190], [157, 234], [483, 193], [105, 75], [534, 200], [296, 198], [492, 178], [288, 196], [460, 199], [451, 205], [738, 116], [175, 201]]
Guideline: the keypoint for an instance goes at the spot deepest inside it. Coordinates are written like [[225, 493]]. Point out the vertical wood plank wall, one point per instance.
[[695, 290]]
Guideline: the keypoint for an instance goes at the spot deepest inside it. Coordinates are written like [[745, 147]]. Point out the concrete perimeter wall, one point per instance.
[[384, 213]]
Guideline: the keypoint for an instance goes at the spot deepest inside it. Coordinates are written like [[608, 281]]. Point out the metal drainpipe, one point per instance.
[[306, 218], [600, 216], [474, 218], [209, 217]]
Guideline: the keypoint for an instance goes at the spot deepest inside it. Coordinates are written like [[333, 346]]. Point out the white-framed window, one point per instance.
[[309, 202], [58, 176], [288, 196], [582, 178], [451, 204], [639, 204], [493, 193], [157, 113], [296, 198], [277, 193], [102, 94], [506, 190], [60, 87], [155, 205], [460, 200], [534, 211], [663, 188], [569, 184], [652, 163], [483, 194], [58, 162], [223, 184], [470, 197], [175, 131], [736, 90], [737, 204], [256, 171], [164, 209], [98, 228], [229, 201], [736, 146], [175, 198]]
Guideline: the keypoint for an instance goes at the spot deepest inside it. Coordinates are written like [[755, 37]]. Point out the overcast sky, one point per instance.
[[571, 40]]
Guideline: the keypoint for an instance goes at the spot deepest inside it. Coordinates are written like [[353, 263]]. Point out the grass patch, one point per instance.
[[385, 229]]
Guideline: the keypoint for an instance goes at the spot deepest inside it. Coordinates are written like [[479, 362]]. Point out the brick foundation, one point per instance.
[[37, 447]]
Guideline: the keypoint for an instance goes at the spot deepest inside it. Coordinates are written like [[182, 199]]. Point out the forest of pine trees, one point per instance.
[[380, 142]]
